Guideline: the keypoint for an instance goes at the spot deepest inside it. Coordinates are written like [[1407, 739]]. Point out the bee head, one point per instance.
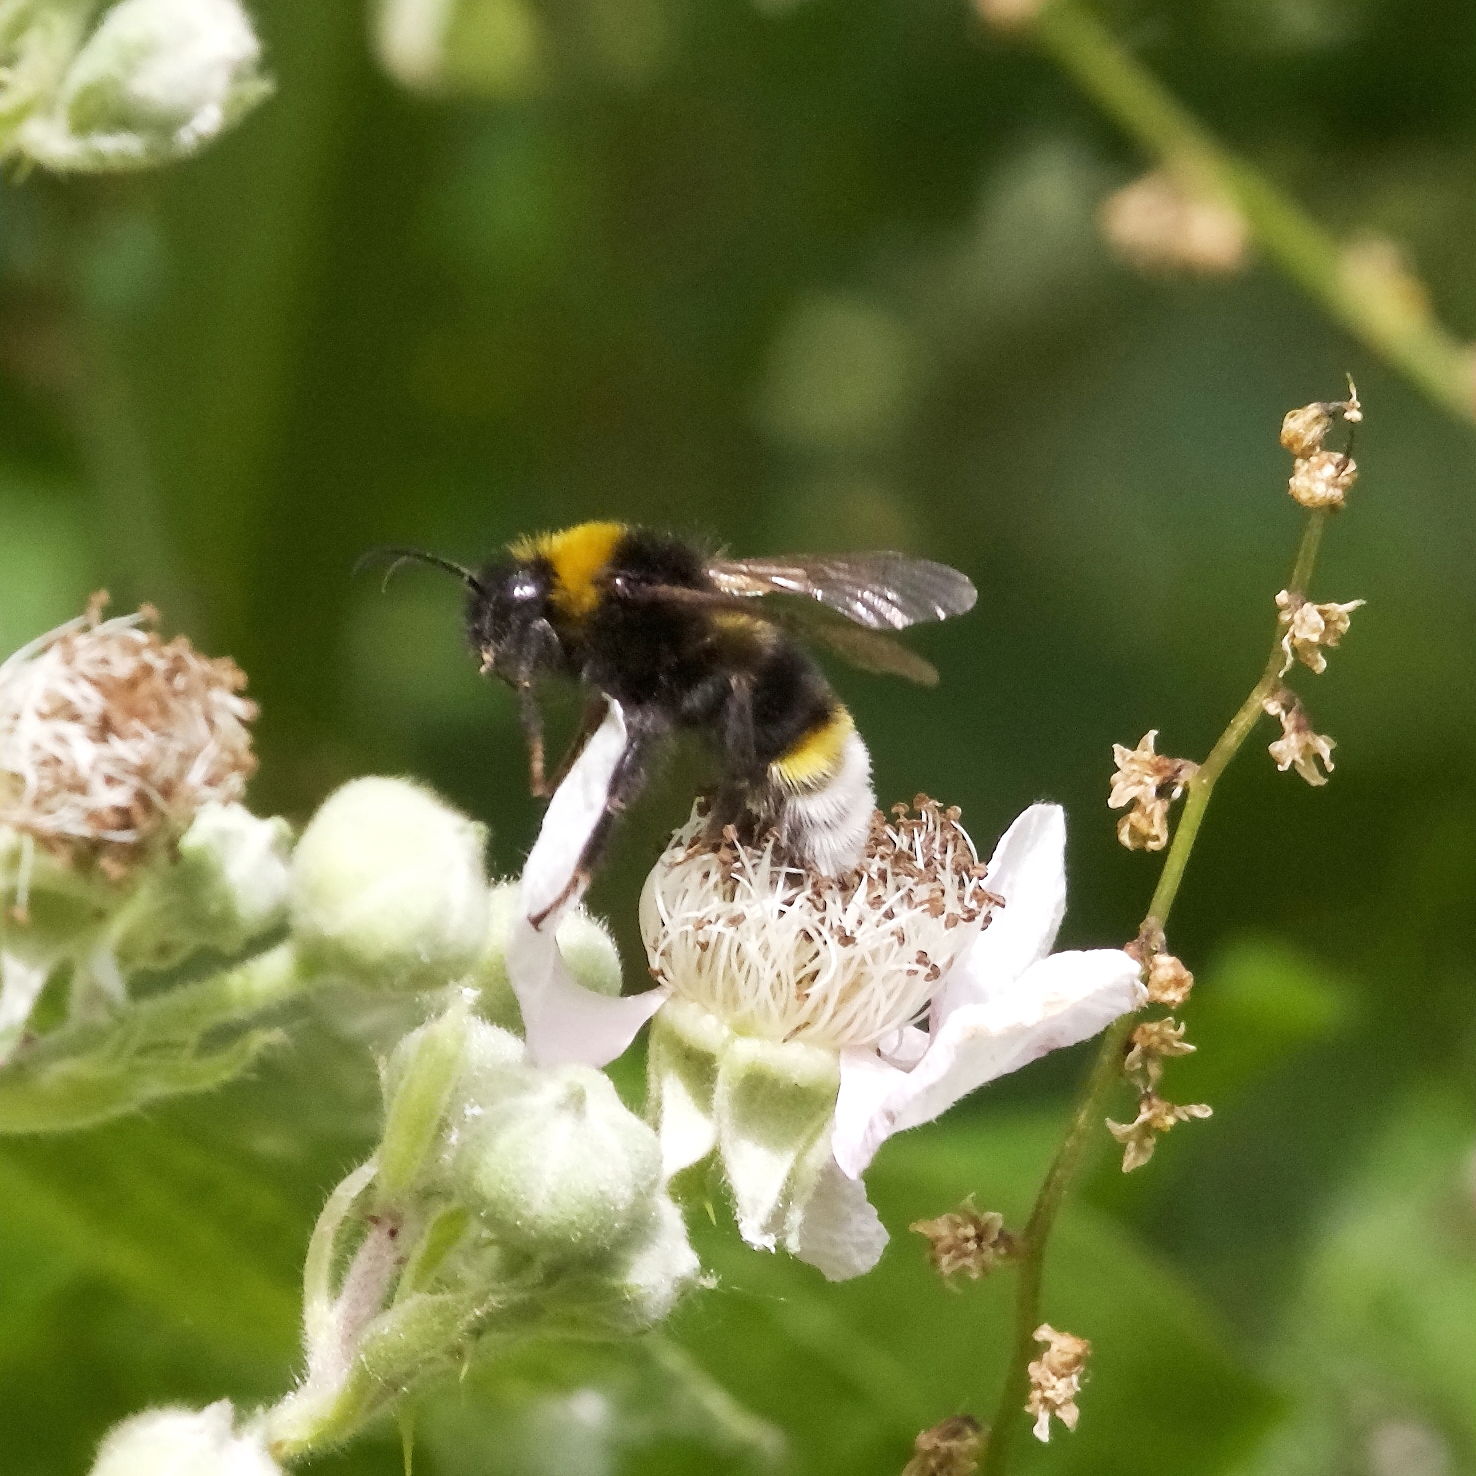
[[507, 618]]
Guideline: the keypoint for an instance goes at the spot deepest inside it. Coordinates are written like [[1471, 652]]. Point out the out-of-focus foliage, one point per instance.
[[815, 275]]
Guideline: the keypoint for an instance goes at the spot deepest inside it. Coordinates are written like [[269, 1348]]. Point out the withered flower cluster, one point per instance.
[[1055, 1379], [1146, 784], [965, 1242]]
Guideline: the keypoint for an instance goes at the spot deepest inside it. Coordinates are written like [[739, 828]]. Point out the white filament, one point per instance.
[[786, 953]]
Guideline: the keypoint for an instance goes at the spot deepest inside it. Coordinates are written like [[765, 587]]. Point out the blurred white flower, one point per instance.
[[155, 81], [183, 1442]]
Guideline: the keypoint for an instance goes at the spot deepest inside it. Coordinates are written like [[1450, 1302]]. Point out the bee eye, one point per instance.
[[524, 589]]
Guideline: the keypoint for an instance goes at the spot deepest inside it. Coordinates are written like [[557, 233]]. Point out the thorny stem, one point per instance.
[[1425, 352], [1091, 1104]]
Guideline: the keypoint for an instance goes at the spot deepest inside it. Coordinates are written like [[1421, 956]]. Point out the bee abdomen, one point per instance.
[[822, 796]]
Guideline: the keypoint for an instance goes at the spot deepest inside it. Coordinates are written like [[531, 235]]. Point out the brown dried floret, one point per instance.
[[949, 1448], [1307, 628], [1146, 783], [1155, 1117], [966, 1242], [1055, 1379], [1299, 747]]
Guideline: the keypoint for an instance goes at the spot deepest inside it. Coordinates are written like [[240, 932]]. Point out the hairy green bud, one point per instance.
[[388, 888], [562, 1170]]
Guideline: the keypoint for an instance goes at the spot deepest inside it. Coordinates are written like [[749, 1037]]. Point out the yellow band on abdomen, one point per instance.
[[816, 755]]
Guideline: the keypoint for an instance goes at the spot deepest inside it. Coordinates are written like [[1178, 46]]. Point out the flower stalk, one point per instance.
[[1107, 1068], [1370, 305]]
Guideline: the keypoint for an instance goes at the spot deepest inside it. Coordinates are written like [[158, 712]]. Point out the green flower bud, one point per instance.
[[226, 885], [388, 889], [439, 1080], [584, 941], [639, 1285], [182, 1442], [154, 82], [562, 1170]]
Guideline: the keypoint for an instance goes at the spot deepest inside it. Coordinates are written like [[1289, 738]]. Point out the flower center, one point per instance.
[[783, 952]]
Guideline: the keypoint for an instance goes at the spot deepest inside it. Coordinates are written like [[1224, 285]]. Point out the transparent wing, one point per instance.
[[868, 649], [884, 591]]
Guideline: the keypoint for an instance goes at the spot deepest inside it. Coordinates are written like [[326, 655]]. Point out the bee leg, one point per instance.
[[742, 773], [530, 719], [592, 716], [643, 733]]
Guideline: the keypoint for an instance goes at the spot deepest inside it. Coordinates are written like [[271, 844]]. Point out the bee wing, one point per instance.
[[868, 649], [883, 591]]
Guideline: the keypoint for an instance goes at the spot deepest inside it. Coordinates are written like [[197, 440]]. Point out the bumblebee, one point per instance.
[[686, 642]]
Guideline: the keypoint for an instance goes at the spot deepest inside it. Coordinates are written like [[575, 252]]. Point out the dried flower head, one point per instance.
[[1163, 223], [1147, 783], [1055, 1379], [1322, 479], [111, 739], [965, 1242], [788, 954], [949, 1448], [1306, 628], [1152, 1043], [1155, 1117], [1298, 747]]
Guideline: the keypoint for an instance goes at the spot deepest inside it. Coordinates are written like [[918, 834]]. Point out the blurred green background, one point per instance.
[[807, 276]]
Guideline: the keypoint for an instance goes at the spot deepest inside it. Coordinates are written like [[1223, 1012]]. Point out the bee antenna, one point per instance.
[[398, 556]]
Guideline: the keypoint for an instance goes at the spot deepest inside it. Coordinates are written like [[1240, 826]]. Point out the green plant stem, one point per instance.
[[1377, 314], [1106, 1072], [86, 1073]]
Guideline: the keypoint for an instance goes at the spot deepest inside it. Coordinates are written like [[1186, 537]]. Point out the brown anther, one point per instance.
[[1304, 429], [111, 739], [1168, 981]]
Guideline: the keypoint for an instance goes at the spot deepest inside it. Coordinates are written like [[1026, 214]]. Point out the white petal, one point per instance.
[[571, 816], [867, 1084], [836, 1230], [1057, 1002], [565, 1023], [1028, 869]]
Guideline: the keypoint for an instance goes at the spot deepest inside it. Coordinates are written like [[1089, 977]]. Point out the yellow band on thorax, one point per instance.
[[578, 556]]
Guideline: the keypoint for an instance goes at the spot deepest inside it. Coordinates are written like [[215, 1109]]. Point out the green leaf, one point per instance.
[[196, 1237], [1378, 1337]]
